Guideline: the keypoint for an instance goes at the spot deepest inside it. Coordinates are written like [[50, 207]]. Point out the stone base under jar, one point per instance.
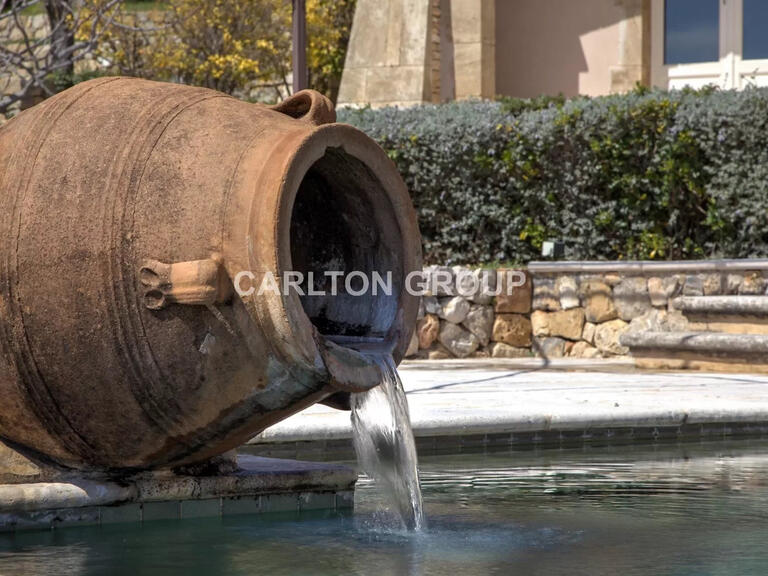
[[259, 485]]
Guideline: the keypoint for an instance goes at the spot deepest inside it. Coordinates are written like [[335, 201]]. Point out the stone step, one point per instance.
[[699, 350], [698, 342], [728, 314], [731, 305]]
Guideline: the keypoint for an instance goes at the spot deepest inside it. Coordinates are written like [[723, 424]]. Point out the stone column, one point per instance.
[[474, 43], [447, 67], [434, 52], [634, 58], [389, 55]]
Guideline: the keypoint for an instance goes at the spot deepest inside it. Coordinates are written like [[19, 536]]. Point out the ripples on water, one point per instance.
[[674, 511]]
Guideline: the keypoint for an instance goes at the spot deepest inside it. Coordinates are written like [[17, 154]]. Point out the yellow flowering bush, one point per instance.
[[222, 44], [234, 46], [329, 23]]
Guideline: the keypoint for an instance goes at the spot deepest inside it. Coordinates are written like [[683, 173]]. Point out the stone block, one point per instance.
[[479, 321], [256, 487], [612, 278], [427, 330], [656, 292], [648, 322], [544, 294], [501, 350], [598, 301], [439, 352], [368, 38], [415, 25], [431, 305], [584, 350], [694, 285], [466, 20], [550, 347], [630, 297], [564, 323], [752, 284], [712, 284], [733, 283], [512, 329], [454, 309], [588, 333], [459, 341], [468, 63], [441, 280], [478, 286], [607, 337], [401, 83], [464, 281], [396, 33], [659, 321], [675, 321], [513, 299], [661, 290], [352, 89], [567, 289], [539, 323]]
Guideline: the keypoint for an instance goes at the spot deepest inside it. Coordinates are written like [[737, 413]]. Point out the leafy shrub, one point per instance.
[[519, 105], [241, 47], [650, 174]]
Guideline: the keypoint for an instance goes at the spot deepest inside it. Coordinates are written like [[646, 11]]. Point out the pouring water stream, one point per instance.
[[384, 443]]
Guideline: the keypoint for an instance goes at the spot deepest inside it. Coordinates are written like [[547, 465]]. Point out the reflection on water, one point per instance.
[[682, 511]]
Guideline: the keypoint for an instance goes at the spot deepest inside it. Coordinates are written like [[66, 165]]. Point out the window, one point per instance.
[[691, 31], [755, 40], [701, 43]]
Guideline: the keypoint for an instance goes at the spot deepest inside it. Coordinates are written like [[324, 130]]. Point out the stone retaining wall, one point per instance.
[[572, 309]]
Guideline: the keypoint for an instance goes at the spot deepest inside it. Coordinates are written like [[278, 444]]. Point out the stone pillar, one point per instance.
[[634, 58], [474, 43], [434, 53], [389, 55], [447, 67]]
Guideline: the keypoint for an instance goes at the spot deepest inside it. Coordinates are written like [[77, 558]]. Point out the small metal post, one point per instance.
[[300, 80]]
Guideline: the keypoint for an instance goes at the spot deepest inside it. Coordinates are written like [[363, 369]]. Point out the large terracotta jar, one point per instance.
[[127, 210]]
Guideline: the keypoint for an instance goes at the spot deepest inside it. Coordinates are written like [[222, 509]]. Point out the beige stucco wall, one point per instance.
[[591, 47]]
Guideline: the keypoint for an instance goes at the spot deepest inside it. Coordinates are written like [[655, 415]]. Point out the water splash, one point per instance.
[[384, 443]]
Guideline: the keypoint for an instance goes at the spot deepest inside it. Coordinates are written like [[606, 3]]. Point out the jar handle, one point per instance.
[[198, 282], [308, 106]]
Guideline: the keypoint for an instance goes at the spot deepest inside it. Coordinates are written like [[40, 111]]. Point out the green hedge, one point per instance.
[[650, 174]]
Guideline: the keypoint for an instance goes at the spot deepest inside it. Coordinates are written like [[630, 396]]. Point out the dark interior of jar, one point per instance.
[[344, 222]]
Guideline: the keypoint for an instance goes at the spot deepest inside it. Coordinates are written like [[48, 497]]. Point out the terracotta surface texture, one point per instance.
[[127, 210]]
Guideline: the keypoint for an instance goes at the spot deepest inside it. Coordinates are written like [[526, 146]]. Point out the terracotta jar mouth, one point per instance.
[[344, 212], [346, 246]]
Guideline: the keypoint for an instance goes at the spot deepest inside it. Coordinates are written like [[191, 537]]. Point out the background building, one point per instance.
[[410, 51]]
